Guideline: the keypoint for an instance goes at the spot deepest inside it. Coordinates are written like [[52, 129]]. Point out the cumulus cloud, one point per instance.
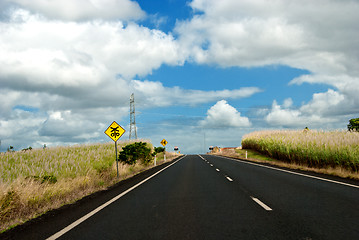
[[79, 75], [256, 33], [74, 73], [283, 116], [74, 54], [314, 35], [325, 104], [20, 129], [82, 10], [320, 112], [80, 58], [155, 94], [67, 65], [345, 99], [224, 115]]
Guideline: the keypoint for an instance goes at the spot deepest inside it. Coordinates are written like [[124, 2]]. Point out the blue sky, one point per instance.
[[204, 72], [164, 14]]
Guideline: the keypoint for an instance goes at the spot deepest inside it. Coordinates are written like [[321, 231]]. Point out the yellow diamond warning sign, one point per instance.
[[164, 142], [115, 131]]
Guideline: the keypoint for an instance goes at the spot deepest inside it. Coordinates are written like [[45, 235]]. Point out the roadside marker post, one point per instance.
[[115, 131]]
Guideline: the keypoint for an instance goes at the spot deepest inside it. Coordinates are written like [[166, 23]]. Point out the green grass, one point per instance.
[[312, 148], [39, 180], [241, 153]]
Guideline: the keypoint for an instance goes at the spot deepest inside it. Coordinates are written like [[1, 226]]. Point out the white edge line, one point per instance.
[[295, 173], [260, 203], [93, 212]]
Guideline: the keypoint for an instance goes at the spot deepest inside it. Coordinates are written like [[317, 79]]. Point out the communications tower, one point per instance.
[[133, 129]]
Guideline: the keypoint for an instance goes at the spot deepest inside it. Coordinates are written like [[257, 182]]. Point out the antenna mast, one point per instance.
[[133, 129]]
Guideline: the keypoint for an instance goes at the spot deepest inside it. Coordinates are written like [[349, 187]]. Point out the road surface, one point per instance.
[[210, 197]]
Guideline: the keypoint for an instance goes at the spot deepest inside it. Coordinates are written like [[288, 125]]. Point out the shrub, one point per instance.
[[135, 151], [159, 149]]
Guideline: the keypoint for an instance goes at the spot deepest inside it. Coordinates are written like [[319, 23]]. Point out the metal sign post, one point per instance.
[[116, 159], [164, 143], [115, 131]]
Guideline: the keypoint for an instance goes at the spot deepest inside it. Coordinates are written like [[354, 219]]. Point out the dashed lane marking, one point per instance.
[[260, 203], [229, 179], [294, 173]]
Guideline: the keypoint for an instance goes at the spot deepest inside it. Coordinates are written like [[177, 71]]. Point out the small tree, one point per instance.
[[353, 124], [135, 151], [159, 149]]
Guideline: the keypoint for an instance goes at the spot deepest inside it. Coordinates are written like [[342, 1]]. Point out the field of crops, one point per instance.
[[36, 181], [308, 147]]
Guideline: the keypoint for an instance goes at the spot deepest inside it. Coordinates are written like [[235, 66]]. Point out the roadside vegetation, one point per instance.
[[36, 181], [335, 151]]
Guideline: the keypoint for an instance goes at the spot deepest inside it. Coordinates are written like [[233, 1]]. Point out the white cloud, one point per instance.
[[74, 54], [79, 77], [79, 59], [73, 73], [348, 88], [279, 116], [313, 35], [155, 94], [82, 10], [288, 103], [320, 112], [325, 104], [343, 101], [319, 36], [21, 130], [224, 115]]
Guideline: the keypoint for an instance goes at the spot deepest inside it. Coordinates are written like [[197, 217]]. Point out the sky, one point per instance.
[[203, 72]]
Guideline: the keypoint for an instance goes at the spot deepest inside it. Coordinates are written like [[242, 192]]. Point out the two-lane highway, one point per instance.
[[209, 197], [189, 200]]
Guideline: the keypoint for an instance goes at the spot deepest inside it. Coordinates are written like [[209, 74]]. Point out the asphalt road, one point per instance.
[[209, 197]]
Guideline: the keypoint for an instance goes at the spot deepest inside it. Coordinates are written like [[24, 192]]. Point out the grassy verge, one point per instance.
[[36, 181], [334, 153], [255, 156]]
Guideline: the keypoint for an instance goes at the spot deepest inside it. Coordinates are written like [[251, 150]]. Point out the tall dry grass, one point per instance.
[[36, 181], [312, 148]]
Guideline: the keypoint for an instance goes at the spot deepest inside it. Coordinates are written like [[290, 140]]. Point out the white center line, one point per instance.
[[229, 179], [260, 203], [217, 169], [211, 165]]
